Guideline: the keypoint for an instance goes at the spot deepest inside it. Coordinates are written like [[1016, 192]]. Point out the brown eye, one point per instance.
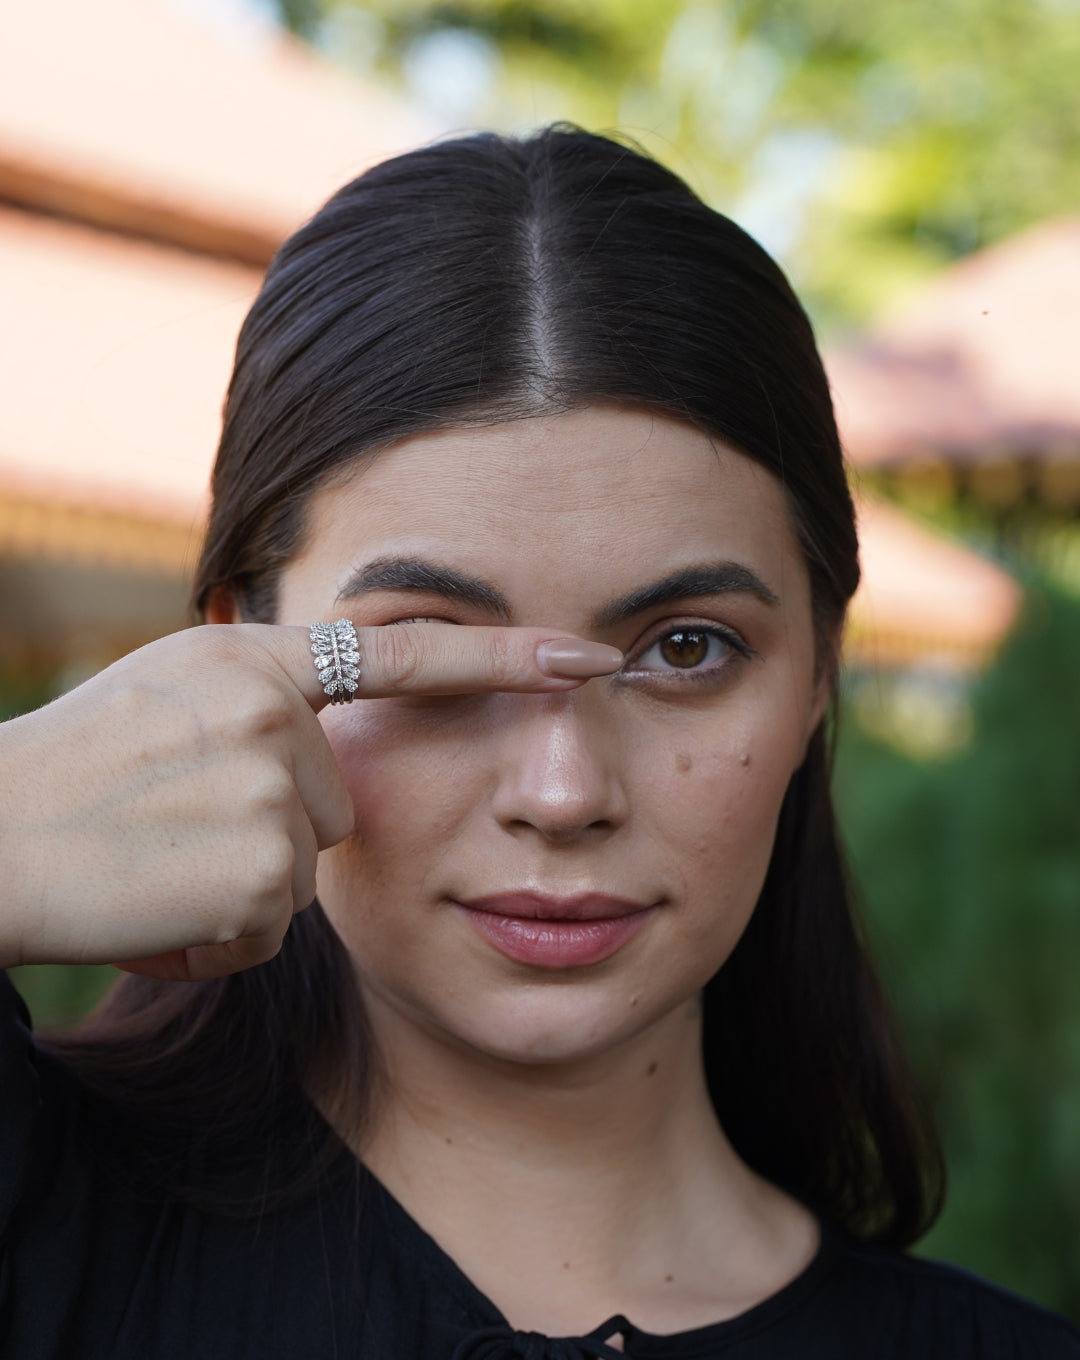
[[685, 649], [698, 653]]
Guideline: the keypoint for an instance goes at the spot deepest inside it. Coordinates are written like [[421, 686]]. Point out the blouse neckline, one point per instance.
[[638, 1344]]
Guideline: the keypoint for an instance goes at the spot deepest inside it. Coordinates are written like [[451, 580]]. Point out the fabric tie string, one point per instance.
[[503, 1343]]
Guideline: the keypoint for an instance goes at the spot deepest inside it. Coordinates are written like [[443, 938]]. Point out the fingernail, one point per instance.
[[572, 659]]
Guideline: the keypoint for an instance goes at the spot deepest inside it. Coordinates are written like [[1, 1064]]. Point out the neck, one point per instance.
[[607, 1182], [591, 1123]]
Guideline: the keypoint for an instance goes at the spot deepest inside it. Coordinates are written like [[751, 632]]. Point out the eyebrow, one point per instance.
[[433, 578], [430, 578], [710, 578]]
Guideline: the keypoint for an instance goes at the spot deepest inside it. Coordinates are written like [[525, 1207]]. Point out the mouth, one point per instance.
[[556, 932]]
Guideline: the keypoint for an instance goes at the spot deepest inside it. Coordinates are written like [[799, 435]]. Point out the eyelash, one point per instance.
[[729, 640]]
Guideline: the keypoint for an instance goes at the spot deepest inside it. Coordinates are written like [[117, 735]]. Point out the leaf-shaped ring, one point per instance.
[[337, 659]]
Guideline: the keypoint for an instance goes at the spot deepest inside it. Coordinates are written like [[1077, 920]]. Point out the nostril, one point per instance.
[[563, 832]]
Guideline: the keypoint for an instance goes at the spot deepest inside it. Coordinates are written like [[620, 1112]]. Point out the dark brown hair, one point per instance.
[[491, 278]]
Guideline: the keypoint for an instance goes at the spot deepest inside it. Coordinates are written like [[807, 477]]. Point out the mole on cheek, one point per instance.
[[683, 763]]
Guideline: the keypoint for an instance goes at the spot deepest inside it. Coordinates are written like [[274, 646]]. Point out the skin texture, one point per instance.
[[563, 1112], [170, 811]]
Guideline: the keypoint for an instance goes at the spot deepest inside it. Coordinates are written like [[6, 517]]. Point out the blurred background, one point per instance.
[[914, 166]]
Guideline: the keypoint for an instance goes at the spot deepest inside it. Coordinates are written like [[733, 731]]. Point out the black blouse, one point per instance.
[[87, 1272]]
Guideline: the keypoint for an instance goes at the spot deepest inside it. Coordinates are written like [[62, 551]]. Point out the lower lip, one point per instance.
[[557, 944]]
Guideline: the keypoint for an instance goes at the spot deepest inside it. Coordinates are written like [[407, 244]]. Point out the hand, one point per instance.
[[170, 811]]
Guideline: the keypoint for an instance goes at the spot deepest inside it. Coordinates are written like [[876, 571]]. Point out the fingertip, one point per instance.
[[168, 967], [577, 659], [205, 962]]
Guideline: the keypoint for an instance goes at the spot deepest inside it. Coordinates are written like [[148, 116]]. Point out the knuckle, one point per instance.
[[270, 876], [500, 655], [304, 889], [270, 791], [127, 704], [261, 949], [264, 711], [401, 656]]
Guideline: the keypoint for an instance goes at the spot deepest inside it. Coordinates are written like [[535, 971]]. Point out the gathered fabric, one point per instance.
[[503, 1343]]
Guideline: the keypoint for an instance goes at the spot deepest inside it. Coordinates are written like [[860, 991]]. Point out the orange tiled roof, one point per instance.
[[128, 113], [115, 355], [115, 351], [922, 595], [984, 360]]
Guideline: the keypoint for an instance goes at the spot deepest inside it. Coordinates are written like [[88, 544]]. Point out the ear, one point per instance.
[[221, 606]]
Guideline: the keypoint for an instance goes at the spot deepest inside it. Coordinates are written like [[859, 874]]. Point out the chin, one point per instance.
[[538, 1027]]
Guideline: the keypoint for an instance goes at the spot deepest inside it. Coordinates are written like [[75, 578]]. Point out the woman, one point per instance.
[[578, 1051]]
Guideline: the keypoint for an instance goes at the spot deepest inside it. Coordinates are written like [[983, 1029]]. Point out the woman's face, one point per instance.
[[659, 785]]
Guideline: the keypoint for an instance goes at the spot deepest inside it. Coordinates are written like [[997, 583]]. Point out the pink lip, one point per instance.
[[556, 932]]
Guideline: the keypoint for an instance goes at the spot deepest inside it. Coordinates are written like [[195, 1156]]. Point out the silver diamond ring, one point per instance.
[[337, 659]]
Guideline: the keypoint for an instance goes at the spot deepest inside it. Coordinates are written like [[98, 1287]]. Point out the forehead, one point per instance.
[[603, 494]]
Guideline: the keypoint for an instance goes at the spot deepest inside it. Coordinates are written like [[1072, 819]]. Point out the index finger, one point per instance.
[[444, 658]]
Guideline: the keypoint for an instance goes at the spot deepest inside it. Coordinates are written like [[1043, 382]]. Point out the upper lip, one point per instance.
[[543, 907]]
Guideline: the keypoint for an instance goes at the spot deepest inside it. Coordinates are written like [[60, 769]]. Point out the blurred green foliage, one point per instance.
[[868, 143], [970, 873], [23, 690], [61, 994]]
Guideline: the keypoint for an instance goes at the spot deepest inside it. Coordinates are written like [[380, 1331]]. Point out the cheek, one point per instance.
[[398, 767], [389, 777], [720, 812], [416, 774], [718, 805]]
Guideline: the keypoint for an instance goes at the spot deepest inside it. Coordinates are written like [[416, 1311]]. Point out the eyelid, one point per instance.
[[401, 620], [729, 636]]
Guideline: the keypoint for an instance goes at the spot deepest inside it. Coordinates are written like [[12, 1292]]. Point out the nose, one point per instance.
[[560, 776]]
